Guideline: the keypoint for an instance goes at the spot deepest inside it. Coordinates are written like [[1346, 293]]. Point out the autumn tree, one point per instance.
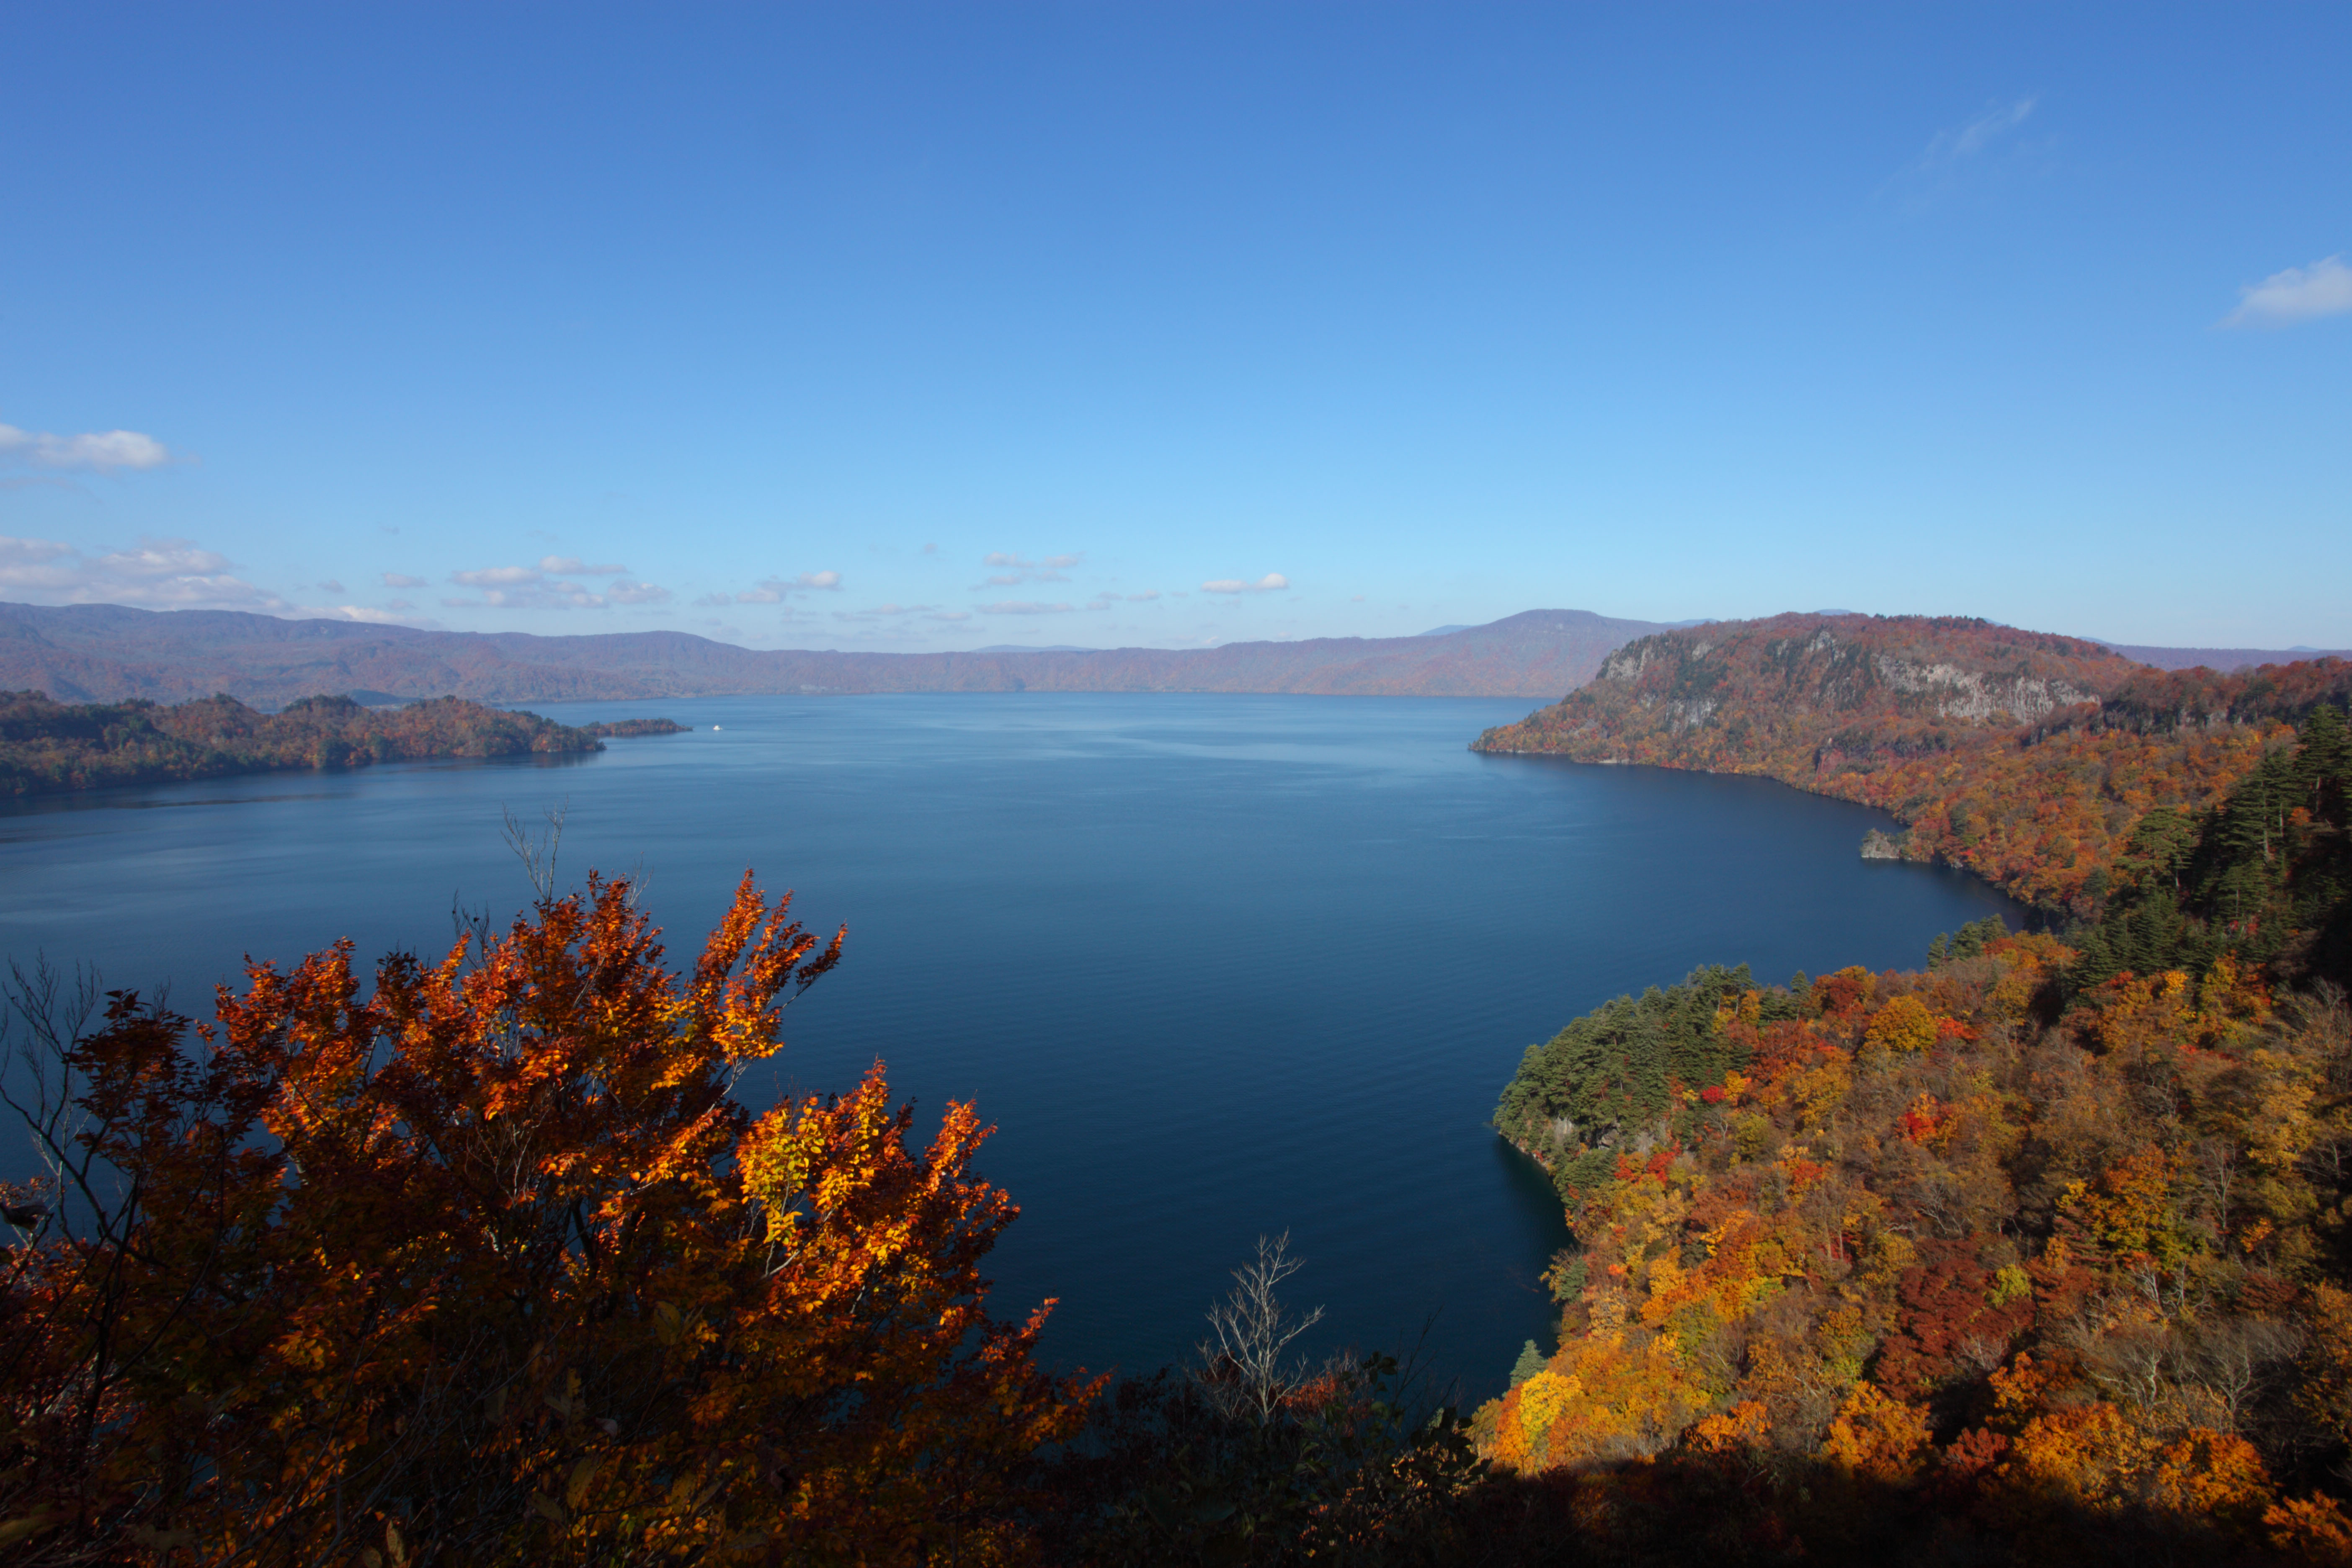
[[487, 1265]]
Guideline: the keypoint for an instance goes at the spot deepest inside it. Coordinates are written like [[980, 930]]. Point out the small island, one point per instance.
[[626, 728], [49, 747]]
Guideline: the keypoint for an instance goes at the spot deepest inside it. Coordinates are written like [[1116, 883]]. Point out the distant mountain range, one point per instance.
[[2223, 658], [105, 653], [95, 653]]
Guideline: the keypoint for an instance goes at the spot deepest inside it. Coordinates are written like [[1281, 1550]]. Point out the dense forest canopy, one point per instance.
[[2039, 1252], [46, 746]]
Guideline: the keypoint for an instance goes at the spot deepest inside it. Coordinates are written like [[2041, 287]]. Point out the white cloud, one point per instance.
[[96, 452], [570, 566], [776, 590], [1022, 607], [881, 611], [160, 574], [1272, 582], [531, 588], [25, 555], [402, 580], [1957, 145], [2297, 294], [1021, 569], [495, 578], [330, 586]]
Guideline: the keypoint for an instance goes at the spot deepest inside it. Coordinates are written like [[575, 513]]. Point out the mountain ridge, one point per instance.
[[111, 653]]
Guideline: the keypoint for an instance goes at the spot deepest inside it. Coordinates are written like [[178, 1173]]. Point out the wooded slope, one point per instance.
[[2028, 1255], [46, 746], [2024, 756]]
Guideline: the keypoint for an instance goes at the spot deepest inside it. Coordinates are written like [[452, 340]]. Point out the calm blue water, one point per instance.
[[1216, 965]]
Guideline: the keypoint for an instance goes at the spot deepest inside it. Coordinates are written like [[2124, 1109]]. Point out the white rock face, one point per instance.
[[1964, 694], [1952, 692]]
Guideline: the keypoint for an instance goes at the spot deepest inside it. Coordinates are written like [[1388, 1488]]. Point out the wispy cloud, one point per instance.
[[570, 566], [160, 574], [1952, 151], [1014, 568], [1024, 607], [1968, 141], [1961, 143], [882, 612], [776, 590], [402, 580], [1272, 582], [532, 588], [1051, 563], [2297, 294], [495, 578], [100, 451]]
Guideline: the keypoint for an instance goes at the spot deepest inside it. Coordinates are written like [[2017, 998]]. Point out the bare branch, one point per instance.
[[1251, 1367]]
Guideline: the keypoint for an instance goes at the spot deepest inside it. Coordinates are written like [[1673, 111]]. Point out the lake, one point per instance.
[[1215, 965]]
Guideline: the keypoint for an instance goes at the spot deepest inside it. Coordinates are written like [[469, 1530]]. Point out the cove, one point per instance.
[[1215, 965]]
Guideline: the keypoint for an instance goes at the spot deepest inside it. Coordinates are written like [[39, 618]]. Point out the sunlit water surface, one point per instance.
[[1215, 965]]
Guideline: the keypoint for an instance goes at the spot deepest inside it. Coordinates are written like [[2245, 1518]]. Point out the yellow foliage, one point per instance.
[[2129, 1209], [1819, 1090], [1903, 1025], [1542, 1397], [1876, 1436], [2092, 1456]]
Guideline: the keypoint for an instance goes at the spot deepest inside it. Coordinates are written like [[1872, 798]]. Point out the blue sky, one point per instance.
[[909, 327]]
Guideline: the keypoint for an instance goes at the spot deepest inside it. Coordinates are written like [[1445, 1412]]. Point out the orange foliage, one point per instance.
[[490, 1264]]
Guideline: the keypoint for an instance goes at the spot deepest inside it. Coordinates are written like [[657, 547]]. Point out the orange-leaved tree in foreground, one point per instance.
[[489, 1266]]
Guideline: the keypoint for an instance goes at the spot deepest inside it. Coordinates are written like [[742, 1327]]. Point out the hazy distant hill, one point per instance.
[[97, 653], [2224, 659], [107, 653]]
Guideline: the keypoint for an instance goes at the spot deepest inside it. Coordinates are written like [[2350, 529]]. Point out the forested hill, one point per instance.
[[48, 746], [2026, 757], [2042, 1253], [108, 653]]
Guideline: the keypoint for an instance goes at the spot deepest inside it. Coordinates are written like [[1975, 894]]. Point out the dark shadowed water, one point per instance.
[[1216, 965]]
